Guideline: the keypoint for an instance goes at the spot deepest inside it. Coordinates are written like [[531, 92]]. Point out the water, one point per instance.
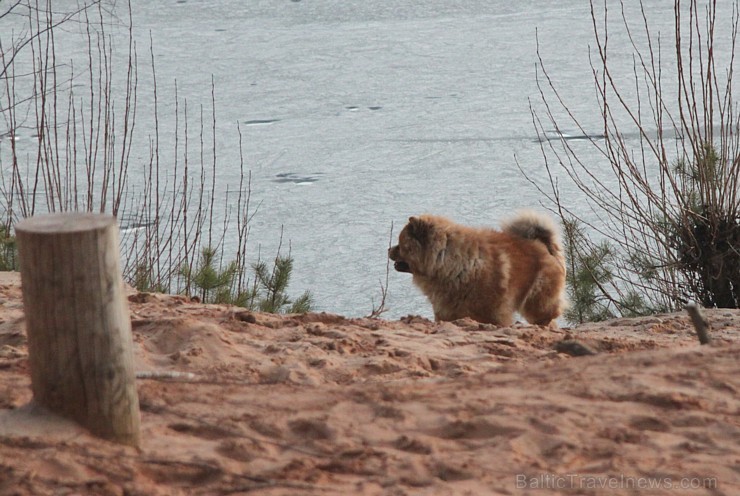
[[358, 114]]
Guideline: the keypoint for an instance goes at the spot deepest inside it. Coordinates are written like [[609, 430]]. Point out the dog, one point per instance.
[[486, 274]]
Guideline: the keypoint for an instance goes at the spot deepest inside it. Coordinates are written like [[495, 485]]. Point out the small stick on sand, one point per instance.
[[700, 323], [165, 375]]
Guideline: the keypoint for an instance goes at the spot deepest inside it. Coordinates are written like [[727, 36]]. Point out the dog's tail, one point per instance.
[[534, 225]]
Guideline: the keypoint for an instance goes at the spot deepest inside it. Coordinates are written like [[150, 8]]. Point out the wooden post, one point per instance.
[[700, 323], [77, 320]]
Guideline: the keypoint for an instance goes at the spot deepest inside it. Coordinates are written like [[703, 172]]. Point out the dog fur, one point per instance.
[[485, 274]]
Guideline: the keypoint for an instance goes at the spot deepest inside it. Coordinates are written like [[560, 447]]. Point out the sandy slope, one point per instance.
[[323, 405]]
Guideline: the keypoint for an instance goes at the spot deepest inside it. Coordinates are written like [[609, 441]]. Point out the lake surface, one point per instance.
[[357, 114]]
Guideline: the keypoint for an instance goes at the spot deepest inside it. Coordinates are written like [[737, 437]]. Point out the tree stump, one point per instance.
[[79, 330]]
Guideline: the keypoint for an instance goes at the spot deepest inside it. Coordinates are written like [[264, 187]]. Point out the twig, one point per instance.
[[700, 322], [380, 309], [168, 375]]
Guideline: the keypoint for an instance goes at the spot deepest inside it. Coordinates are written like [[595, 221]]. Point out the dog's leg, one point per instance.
[[544, 303]]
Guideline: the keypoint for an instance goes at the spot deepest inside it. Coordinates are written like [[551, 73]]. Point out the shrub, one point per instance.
[[593, 292], [665, 212], [8, 251], [272, 285], [268, 291], [209, 283]]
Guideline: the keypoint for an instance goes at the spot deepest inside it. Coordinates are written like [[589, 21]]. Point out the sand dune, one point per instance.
[[323, 405]]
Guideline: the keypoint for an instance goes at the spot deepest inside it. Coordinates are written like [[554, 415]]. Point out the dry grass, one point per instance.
[[83, 122]]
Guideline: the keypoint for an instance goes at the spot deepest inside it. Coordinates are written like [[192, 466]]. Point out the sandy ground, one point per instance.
[[323, 405]]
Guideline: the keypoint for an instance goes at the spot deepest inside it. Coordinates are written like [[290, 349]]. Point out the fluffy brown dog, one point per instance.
[[483, 273]]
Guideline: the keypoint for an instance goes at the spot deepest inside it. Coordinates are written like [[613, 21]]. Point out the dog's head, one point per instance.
[[417, 241]]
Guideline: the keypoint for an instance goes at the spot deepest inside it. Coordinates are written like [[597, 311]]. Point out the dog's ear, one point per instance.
[[419, 230]]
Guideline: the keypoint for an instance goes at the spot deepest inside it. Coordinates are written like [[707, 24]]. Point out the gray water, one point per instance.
[[358, 114]]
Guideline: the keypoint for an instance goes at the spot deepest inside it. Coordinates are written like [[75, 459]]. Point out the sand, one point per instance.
[[234, 402]]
